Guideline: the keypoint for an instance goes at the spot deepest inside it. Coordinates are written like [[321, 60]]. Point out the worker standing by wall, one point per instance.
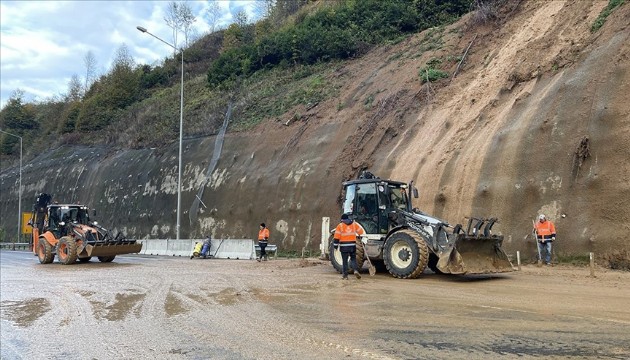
[[545, 235], [263, 238]]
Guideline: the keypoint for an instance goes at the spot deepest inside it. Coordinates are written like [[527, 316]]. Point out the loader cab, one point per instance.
[[373, 202], [76, 214], [60, 216]]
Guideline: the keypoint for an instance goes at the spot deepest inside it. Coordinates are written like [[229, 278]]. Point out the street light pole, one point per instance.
[[181, 129], [19, 189]]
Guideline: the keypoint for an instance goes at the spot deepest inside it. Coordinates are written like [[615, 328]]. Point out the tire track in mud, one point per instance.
[[261, 319], [287, 310]]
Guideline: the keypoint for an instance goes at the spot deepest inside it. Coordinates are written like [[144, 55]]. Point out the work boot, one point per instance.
[[258, 259], [345, 277], [356, 273], [192, 256]]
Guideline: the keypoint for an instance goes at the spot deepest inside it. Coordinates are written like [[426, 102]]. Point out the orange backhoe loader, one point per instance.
[[65, 230]]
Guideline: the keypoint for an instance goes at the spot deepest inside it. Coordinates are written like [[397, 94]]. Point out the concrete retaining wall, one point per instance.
[[220, 248]]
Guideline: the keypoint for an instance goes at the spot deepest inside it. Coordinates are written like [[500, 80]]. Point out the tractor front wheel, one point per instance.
[[44, 251], [67, 250], [106, 258], [405, 254]]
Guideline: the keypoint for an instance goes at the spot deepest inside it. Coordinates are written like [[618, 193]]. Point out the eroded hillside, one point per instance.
[[502, 138]]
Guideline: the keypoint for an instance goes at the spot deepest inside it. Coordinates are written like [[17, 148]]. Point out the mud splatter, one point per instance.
[[227, 296], [173, 306], [24, 313], [121, 307]]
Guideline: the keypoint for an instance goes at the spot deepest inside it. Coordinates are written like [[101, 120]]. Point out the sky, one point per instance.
[[44, 43]]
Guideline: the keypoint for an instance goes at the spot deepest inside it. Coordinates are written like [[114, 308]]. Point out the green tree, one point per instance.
[[75, 89], [16, 115]]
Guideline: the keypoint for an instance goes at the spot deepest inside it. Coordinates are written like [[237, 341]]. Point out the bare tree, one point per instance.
[[241, 19], [263, 8], [186, 18], [123, 58], [213, 14], [90, 69], [74, 88], [173, 21]]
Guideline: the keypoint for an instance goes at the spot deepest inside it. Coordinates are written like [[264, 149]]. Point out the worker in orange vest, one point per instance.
[[345, 240], [263, 238], [545, 235]]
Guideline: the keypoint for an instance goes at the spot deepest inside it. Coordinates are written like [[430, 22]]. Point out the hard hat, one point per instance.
[[345, 217], [542, 217]]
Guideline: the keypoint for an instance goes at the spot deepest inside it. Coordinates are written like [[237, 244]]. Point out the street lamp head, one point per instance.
[[141, 29]]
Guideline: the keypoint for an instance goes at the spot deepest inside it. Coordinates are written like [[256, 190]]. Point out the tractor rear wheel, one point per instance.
[[106, 258], [67, 250], [335, 255], [44, 251], [405, 254]]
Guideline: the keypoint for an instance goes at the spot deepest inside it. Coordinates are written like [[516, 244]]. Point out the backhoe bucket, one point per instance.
[[112, 249], [474, 255]]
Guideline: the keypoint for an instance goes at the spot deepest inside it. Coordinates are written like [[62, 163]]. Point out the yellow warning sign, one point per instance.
[[26, 228]]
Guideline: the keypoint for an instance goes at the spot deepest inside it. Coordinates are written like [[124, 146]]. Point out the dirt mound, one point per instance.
[[528, 126]]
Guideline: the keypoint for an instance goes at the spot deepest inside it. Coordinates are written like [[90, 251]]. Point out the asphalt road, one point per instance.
[[176, 308]]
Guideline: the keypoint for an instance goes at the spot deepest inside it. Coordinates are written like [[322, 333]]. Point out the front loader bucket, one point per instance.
[[112, 249], [474, 255]]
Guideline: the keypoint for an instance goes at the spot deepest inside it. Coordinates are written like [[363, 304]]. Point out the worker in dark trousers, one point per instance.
[[346, 241], [263, 238], [545, 234], [206, 247]]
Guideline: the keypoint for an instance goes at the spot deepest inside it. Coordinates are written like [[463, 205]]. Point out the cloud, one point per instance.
[[43, 43]]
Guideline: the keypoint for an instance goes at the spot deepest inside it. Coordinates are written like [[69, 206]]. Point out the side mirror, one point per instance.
[[93, 212], [415, 192]]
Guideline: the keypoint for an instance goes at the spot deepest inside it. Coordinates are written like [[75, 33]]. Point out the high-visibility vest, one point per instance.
[[347, 234], [545, 229], [263, 234]]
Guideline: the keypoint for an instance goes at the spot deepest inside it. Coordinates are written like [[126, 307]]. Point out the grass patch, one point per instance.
[[601, 19], [575, 260], [272, 93], [294, 254], [430, 71]]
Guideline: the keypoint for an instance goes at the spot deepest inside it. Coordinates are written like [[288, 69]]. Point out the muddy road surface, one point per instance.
[[176, 308]]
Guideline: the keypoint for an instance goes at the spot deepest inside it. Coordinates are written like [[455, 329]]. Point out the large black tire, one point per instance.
[[379, 265], [67, 250], [335, 255], [405, 254], [85, 259], [433, 260], [106, 258], [44, 251]]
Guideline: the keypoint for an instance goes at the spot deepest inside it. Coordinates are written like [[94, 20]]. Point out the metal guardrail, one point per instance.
[[15, 246]]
